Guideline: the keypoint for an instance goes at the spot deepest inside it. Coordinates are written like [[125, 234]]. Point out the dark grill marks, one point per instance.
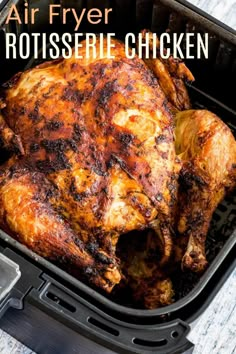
[[73, 95], [129, 87], [102, 198], [54, 125], [92, 247], [55, 146], [58, 146], [98, 168], [35, 115], [196, 221], [50, 90], [61, 162], [49, 166], [44, 189], [78, 197], [88, 271], [188, 178], [72, 144], [22, 111], [160, 139], [74, 66], [172, 187], [142, 208], [34, 147], [110, 162], [45, 166], [37, 133], [115, 159], [50, 193], [102, 258], [79, 243], [77, 132], [125, 138], [95, 159], [148, 77], [107, 92]]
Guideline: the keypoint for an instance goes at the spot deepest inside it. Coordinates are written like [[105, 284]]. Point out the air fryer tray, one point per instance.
[[75, 305]]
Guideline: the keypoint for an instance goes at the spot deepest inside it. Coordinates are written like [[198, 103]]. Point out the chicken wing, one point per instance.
[[171, 73]]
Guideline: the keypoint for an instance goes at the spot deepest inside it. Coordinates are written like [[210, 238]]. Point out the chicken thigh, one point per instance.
[[207, 149]]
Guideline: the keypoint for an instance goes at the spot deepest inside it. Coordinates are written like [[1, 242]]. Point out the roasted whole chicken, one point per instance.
[[98, 148], [95, 158]]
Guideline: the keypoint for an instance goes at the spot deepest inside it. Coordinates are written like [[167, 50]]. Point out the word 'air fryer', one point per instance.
[[94, 16]]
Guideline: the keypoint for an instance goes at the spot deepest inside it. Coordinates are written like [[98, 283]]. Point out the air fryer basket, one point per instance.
[[47, 293]]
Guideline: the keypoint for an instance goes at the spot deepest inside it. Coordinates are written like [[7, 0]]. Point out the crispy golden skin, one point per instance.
[[26, 211], [207, 148], [172, 74], [98, 135], [93, 157]]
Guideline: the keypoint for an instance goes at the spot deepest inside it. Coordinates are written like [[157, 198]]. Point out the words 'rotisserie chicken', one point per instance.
[[94, 155]]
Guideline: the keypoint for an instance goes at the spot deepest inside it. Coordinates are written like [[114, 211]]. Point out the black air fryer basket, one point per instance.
[[52, 312]]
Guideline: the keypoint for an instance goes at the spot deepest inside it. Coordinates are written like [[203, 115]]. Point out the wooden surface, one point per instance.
[[223, 10], [215, 331]]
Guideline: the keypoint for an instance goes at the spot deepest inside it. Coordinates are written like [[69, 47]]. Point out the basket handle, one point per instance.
[[62, 305], [122, 337]]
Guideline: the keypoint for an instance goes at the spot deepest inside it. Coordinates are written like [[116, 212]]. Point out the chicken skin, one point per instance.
[[102, 147], [94, 158], [207, 149]]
